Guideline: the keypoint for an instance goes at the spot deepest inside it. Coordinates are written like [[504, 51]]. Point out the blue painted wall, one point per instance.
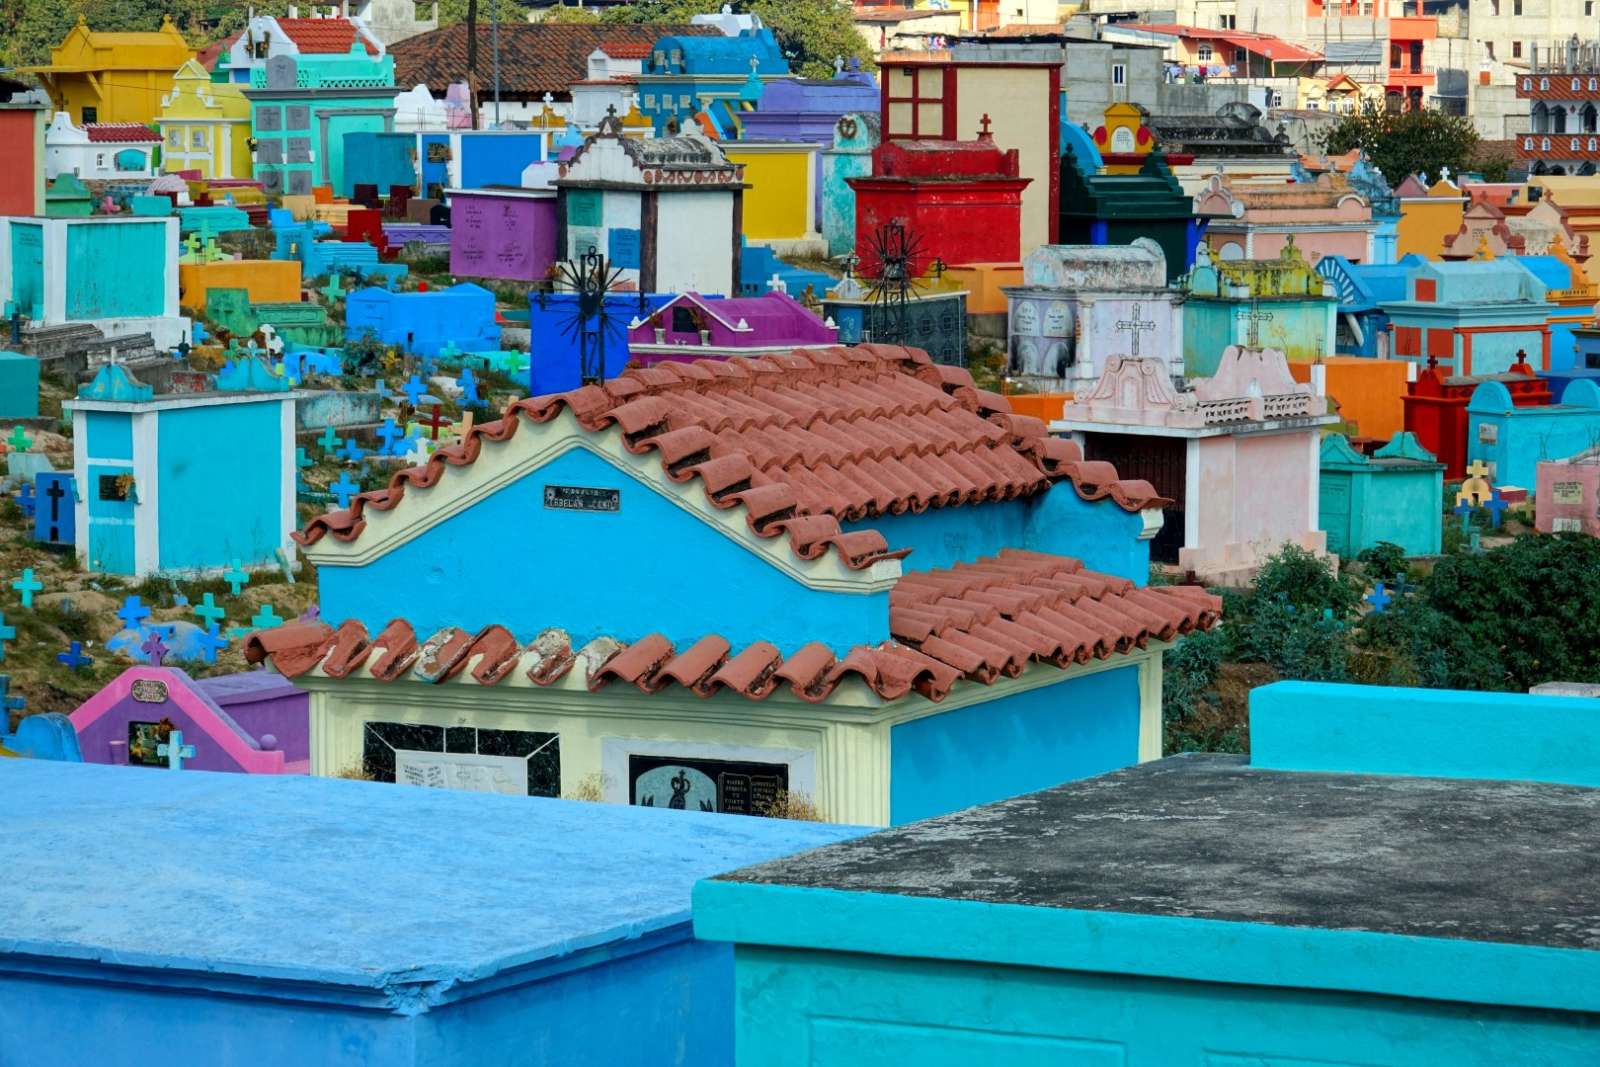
[[1017, 744], [381, 159], [498, 158], [1100, 533], [110, 435], [650, 567], [1307, 726], [27, 269], [823, 1009], [221, 492], [462, 315], [554, 343], [1515, 439], [116, 270]]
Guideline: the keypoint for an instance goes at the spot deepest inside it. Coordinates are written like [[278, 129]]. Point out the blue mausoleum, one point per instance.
[[267, 919], [1393, 876]]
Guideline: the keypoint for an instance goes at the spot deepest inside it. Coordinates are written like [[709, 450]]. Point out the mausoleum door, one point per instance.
[[1161, 461]]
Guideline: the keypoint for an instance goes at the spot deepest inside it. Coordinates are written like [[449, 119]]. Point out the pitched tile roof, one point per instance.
[[323, 36], [535, 58], [625, 49], [802, 441], [977, 621], [120, 133]]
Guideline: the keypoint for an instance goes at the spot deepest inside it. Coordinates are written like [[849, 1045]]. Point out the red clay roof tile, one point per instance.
[[841, 433], [323, 36], [979, 621], [121, 133]]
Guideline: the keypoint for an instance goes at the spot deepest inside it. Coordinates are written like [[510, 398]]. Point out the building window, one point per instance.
[[175, 137], [677, 57], [1277, 99], [1516, 49], [90, 115], [1229, 22], [100, 161], [1489, 47], [198, 138], [1203, 53], [650, 100], [1119, 74], [660, 60], [1516, 7], [1494, 7], [683, 101], [916, 103], [1588, 8]]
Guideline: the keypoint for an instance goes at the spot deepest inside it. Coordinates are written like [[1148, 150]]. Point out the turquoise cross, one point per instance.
[[209, 610], [7, 633], [236, 577], [266, 618], [175, 750], [27, 585], [333, 290], [19, 439], [210, 642], [329, 441]]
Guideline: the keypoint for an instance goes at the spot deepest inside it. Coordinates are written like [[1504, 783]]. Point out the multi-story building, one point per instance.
[[1385, 42], [1561, 89], [1485, 46]]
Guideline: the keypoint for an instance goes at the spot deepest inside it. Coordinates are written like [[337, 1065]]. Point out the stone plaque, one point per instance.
[[467, 771], [296, 117], [1488, 433], [582, 498], [729, 786], [299, 183], [299, 150], [269, 151], [271, 180], [269, 119], [149, 691], [1567, 492], [282, 72]]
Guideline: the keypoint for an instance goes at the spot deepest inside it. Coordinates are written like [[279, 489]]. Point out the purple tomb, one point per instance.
[[499, 232], [690, 327]]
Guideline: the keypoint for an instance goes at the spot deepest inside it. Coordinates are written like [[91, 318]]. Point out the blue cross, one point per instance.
[[390, 433], [1379, 598], [1464, 508], [469, 389], [1495, 505], [329, 441], [175, 750], [209, 610], [266, 618], [236, 577], [383, 390], [351, 451], [344, 489], [8, 703], [7, 633], [73, 657], [27, 585], [414, 389], [210, 642], [301, 460], [198, 331], [133, 613], [25, 499]]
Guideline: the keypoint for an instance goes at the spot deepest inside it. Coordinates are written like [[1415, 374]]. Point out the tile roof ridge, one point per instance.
[[978, 621]]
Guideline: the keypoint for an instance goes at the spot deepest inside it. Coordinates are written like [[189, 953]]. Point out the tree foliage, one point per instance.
[[1406, 142]]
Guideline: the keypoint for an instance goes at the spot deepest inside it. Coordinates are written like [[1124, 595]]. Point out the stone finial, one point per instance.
[[983, 127]]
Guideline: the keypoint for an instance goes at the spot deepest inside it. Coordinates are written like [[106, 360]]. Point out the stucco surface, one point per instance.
[[1209, 837]]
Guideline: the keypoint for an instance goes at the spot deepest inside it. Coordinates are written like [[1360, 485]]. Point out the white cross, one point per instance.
[[1135, 327], [175, 750]]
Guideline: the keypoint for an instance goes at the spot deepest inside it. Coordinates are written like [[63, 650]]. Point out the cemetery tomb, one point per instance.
[[690, 327], [1513, 438], [1392, 496], [461, 317], [1475, 318], [963, 706], [555, 330], [117, 274], [55, 521], [1210, 909], [301, 322], [255, 723], [19, 386], [780, 205], [1325, 217], [658, 208], [330, 922], [1436, 408], [1279, 303], [1369, 392], [934, 317], [1237, 453], [854, 137], [503, 233], [183, 482], [1081, 305], [1567, 494], [264, 281]]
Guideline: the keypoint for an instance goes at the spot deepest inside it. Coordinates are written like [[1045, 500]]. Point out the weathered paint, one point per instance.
[[855, 136], [22, 146], [1026, 741], [266, 281], [215, 507], [1391, 497], [1512, 440], [585, 956], [1435, 733]]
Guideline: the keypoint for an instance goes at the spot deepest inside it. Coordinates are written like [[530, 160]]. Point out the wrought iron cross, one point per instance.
[[1135, 326], [1255, 316]]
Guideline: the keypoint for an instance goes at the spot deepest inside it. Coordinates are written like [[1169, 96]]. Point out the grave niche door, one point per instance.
[[1161, 461]]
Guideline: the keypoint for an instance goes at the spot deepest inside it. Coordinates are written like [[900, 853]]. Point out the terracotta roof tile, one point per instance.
[[535, 58], [323, 36], [830, 435], [978, 621], [120, 133]]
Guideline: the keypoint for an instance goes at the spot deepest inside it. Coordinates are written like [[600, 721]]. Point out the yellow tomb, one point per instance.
[[781, 193], [113, 77], [205, 126]]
